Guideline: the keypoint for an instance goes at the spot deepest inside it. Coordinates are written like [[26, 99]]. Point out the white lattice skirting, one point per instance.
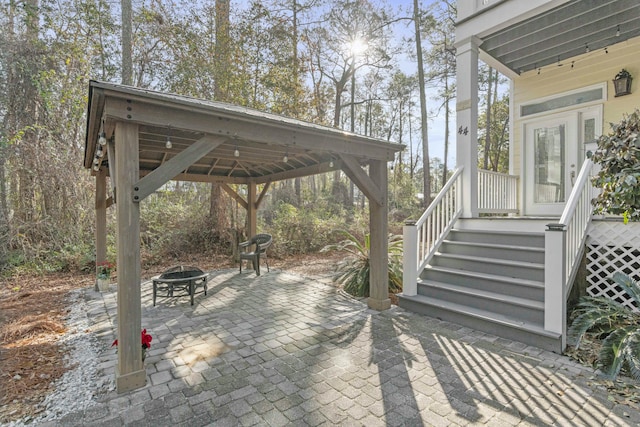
[[612, 246]]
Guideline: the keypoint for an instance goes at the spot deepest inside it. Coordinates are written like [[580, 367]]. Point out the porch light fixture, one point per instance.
[[331, 163], [236, 152], [168, 144], [286, 156], [622, 83], [586, 48], [618, 31]]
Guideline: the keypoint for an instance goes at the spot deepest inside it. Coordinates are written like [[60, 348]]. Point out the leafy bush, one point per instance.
[[618, 155], [300, 230], [353, 272], [617, 325], [177, 223]]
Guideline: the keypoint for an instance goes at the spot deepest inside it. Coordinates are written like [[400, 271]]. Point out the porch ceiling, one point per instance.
[[251, 146], [569, 30]]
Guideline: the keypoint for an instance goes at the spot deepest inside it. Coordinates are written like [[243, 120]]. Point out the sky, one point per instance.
[[402, 30]]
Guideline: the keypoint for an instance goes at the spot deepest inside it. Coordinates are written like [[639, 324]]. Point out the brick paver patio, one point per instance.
[[281, 349]]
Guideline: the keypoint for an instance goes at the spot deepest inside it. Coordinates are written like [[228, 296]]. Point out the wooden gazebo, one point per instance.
[[143, 139]]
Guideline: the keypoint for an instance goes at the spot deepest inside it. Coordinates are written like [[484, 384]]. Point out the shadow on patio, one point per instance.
[[282, 349]]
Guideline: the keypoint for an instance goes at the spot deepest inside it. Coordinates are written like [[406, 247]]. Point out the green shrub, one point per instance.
[[618, 155], [301, 230], [617, 325], [353, 272]]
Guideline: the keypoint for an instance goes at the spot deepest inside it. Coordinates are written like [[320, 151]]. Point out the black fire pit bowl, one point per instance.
[[182, 278]]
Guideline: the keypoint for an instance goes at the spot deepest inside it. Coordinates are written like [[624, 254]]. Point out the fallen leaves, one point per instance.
[[32, 310]]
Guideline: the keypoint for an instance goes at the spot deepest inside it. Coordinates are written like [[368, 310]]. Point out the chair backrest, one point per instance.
[[262, 240]]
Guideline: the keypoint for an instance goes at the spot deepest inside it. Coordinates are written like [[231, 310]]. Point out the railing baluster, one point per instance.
[[427, 233], [497, 192]]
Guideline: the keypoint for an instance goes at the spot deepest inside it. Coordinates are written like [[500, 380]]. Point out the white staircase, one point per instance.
[[505, 276], [489, 280]]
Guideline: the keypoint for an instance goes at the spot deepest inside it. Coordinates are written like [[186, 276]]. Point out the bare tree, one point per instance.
[[441, 58], [353, 36], [423, 108]]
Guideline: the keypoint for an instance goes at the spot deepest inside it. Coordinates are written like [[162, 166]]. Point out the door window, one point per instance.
[[549, 164]]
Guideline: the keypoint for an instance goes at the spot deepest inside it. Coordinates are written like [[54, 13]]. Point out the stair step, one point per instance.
[[508, 268], [516, 238], [524, 288], [495, 250], [483, 320], [515, 307]]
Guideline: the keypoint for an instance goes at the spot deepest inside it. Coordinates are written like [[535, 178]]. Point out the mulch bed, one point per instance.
[[32, 311]]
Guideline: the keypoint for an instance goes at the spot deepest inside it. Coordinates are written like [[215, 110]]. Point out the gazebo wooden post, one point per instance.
[[379, 250], [101, 219], [130, 373]]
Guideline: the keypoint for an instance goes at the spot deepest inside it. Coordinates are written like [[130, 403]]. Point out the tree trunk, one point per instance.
[[8, 128], [218, 217], [336, 189], [487, 140], [127, 39], [499, 145], [296, 82], [423, 110]]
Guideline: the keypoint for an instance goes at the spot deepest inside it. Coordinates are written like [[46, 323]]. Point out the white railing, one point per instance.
[[423, 237], [497, 192], [564, 246]]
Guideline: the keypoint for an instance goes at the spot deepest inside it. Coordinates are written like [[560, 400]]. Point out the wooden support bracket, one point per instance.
[[354, 171], [167, 171]]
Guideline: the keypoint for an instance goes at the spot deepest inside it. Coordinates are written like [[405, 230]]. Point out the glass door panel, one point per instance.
[[549, 164], [550, 161]]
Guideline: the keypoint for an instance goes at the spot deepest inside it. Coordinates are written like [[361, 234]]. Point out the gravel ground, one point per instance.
[[79, 387]]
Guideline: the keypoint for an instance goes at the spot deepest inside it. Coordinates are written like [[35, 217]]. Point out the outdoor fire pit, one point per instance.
[[183, 279]]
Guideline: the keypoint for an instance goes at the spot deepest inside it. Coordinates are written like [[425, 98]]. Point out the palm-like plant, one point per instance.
[[618, 325], [353, 272]]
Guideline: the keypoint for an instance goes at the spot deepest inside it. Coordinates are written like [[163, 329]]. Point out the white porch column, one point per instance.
[[130, 374], [467, 122]]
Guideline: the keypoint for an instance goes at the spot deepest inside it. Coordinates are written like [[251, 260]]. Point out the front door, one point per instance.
[[551, 163]]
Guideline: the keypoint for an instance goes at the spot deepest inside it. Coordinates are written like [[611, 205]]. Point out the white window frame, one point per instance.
[[528, 117]]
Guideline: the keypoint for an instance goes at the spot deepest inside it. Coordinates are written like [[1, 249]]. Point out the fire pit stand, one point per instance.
[[180, 278]]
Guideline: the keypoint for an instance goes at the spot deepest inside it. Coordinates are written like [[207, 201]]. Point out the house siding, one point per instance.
[[589, 69]]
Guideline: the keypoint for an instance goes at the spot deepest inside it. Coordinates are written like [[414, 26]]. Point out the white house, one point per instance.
[[499, 252]]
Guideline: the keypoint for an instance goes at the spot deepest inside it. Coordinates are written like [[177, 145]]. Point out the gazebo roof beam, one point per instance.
[[271, 133]]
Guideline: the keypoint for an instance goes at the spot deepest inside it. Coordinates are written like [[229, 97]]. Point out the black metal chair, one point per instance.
[[254, 249]]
